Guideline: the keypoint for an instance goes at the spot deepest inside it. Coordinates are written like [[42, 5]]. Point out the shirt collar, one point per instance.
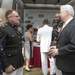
[[68, 20], [64, 24], [45, 25], [14, 26]]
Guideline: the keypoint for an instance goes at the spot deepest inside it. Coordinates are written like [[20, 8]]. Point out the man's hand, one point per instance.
[[53, 51], [53, 47], [9, 69]]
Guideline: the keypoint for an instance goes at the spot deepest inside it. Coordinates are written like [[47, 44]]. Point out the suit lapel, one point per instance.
[[64, 29]]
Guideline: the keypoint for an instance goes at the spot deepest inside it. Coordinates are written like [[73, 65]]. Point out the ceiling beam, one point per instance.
[[72, 2], [46, 6], [41, 6]]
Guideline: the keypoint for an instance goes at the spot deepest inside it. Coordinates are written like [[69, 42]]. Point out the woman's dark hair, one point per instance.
[[29, 26]]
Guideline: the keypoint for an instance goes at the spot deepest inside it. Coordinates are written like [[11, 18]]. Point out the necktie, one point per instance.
[[63, 26]]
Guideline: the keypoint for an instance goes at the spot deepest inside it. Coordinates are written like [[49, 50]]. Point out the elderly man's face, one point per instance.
[[14, 18], [63, 14]]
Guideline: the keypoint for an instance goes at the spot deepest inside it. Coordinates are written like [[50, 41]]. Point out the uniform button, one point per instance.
[[9, 54], [19, 37], [1, 49], [17, 31], [6, 24], [19, 42], [15, 28], [13, 35]]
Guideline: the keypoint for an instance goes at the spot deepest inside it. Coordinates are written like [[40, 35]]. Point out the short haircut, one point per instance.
[[68, 8], [45, 22], [8, 13], [29, 26]]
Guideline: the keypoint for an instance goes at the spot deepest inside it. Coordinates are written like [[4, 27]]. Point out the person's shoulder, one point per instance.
[[3, 26], [50, 27], [40, 28], [73, 20], [72, 23]]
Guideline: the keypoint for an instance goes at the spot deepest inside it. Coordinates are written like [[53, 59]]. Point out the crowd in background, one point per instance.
[[56, 43]]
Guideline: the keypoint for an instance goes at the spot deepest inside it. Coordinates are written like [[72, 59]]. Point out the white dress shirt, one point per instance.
[[64, 25]]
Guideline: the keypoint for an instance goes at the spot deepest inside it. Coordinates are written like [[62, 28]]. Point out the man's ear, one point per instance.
[[9, 18]]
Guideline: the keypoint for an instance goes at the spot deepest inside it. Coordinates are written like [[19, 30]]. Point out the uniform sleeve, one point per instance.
[[4, 61]]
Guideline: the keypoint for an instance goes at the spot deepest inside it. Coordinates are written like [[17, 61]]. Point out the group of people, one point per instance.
[[62, 47], [56, 43]]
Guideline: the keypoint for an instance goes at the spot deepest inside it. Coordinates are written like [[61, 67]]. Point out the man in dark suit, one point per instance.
[[64, 52], [57, 25], [11, 40]]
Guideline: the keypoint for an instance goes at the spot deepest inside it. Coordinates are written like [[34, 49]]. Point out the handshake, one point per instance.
[[53, 51]]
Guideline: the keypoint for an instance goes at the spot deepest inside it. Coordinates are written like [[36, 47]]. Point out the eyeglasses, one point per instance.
[[14, 16]]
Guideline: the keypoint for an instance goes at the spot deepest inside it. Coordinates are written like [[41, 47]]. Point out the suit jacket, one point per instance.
[[44, 35], [11, 40], [65, 61]]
